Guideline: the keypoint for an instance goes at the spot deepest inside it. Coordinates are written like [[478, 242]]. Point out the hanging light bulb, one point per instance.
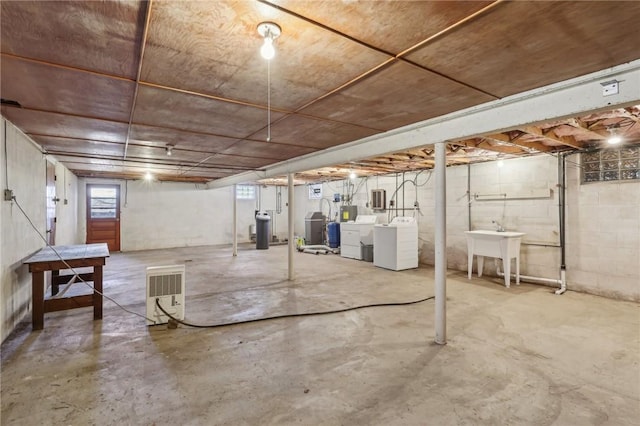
[[169, 150], [614, 140], [352, 175], [614, 137], [269, 31], [148, 176], [267, 51]]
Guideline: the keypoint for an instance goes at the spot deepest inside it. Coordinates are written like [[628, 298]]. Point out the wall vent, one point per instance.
[[165, 283]]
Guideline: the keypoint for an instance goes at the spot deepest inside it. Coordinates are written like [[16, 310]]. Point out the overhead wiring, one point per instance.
[[35, 228], [303, 314]]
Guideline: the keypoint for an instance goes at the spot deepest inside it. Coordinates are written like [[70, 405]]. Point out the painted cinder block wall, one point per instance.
[[602, 219], [24, 171], [155, 215], [603, 239]]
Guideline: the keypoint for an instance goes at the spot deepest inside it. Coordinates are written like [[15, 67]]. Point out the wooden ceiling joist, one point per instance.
[[528, 147], [550, 136], [581, 127]]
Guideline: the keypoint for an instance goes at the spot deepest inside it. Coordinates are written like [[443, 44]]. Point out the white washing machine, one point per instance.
[[354, 234], [395, 246]]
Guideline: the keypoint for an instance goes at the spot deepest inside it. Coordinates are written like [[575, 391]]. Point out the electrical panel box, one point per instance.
[[348, 213], [378, 199]]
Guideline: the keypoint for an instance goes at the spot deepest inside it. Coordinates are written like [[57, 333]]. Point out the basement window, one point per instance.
[[245, 192], [610, 164]]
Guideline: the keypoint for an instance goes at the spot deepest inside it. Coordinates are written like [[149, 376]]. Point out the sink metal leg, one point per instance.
[[480, 265], [507, 271]]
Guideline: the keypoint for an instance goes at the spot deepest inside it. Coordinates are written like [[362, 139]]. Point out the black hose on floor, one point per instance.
[[304, 314]]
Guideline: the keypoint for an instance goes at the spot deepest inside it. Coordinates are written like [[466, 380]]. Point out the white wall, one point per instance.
[[67, 226], [157, 215], [267, 200], [25, 168], [603, 239], [603, 219], [537, 217]]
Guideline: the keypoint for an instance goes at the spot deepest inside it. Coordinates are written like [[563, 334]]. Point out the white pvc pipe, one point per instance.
[[563, 282], [533, 279], [292, 243], [318, 247], [235, 220], [529, 278], [441, 244], [315, 251]]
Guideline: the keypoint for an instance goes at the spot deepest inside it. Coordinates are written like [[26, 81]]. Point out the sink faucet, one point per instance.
[[499, 228]]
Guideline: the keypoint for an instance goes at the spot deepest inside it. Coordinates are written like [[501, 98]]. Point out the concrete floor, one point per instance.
[[515, 356]]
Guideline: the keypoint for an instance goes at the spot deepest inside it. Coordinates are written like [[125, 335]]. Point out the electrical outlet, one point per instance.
[[66, 201], [8, 194]]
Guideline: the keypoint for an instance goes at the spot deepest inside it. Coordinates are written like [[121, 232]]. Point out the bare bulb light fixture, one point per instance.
[[614, 138], [169, 150], [269, 32], [148, 176]]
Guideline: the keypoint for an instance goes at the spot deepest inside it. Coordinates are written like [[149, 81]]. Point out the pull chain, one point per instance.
[[268, 100]]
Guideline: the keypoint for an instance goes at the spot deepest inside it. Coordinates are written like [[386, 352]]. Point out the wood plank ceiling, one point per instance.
[[107, 87]]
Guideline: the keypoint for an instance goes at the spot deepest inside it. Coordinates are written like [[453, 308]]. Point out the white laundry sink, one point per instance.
[[496, 234], [501, 244]]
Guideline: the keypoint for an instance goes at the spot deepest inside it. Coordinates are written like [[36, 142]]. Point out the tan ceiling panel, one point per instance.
[[167, 108], [313, 133], [523, 45], [55, 89], [390, 26], [269, 150], [98, 36], [236, 161], [127, 174], [50, 124], [178, 156], [159, 136], [399, 94], [88, 161], [114, 165], [80, 146], [213, 47], [207, 175]]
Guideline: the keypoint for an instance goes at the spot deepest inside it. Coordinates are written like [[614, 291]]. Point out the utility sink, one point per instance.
[[501, 244], [497, 234]]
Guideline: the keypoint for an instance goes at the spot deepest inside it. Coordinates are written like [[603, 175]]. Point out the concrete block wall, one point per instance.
[[537, 217], [602, 223], [603, 239], [24, 171], [67, 226], [156, 215]]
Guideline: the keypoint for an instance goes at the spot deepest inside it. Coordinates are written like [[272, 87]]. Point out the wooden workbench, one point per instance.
[[75, 256]]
